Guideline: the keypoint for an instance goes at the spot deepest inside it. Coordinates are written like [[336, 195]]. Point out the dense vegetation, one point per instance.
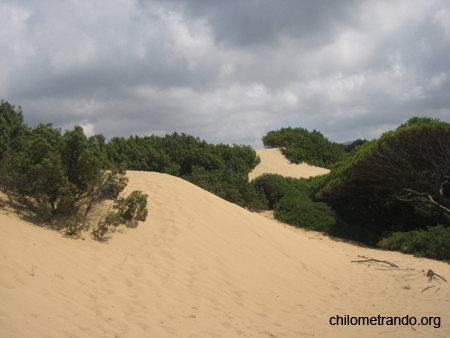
[[394, 191], [299, 145], [291, 199], [60, 174], [434, 242], [350, 149], [220, 169], [54, 175], [398, 183]]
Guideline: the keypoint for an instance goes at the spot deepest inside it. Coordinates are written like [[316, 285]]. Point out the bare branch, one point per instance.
[[375, 260]]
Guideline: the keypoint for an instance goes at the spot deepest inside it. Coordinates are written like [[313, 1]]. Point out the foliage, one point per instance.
[[115, 181], [412, 166], [76, 224], [396, 187], [350, 149], [298, 209], [229, 185], [274, 187], [133, 207], [35, 172], [431, 243], [299, 145], [293, 204], [220, 169], [410, 163], [53, 173], [108, 186], [398, 182], [290, 198], [56, 174], [338, 173], [12, 128], [110, 219]]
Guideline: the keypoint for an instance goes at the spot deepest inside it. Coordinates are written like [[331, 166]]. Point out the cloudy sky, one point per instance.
[[226, 71]]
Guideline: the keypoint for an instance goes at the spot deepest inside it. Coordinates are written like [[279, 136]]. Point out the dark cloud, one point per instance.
[[254, 22], [227, 71]]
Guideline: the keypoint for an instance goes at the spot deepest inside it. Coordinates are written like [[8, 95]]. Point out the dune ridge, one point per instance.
[[202, 267], [274, 162]]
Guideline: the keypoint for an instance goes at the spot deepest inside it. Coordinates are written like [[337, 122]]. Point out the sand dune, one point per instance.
[[202, 267], [274, 162]]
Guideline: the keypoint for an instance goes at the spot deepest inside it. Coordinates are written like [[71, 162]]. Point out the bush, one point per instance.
[[110, 219], [295, 207], [290, 198], [63, 175], [230, 185], [12, 128], [220, 169], [398, 182], [299, 145], [433, 243], [76, 224], [133, 207], [54, 174], [274, 186]]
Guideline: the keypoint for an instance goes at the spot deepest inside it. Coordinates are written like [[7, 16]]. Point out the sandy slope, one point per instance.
[[202, 267], [274, 162]]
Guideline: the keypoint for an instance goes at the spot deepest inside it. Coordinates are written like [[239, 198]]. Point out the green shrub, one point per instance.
[[114, 182], [220, 169], [272, 185], [290, 198], [110, 219], [296, 208], [299, 145], [433, 243], [275, 186], [44, 211], [395, 183], [230, 185], [12, 128], [133, 207], [76, 224]]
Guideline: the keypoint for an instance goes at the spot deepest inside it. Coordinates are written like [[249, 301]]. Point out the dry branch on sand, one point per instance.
[[375, 260], [430, 274]]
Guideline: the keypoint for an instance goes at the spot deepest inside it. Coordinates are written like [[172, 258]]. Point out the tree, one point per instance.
[[55, 174], [12, 128], [83, 159], [221, 169], [131, 208], [299, 145], [35, 173], [411, 166], [398, 182]]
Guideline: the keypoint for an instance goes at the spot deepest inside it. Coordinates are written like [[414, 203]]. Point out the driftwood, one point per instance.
[[375, 260], [428, 287], [432, 274]]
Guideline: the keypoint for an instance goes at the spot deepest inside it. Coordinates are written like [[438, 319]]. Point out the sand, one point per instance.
[[202, 267], [274, 162]]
